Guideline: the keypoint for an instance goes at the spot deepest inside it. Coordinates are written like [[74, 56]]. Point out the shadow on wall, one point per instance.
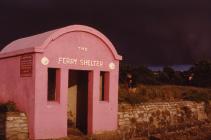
[[2, 125], [4, 108]]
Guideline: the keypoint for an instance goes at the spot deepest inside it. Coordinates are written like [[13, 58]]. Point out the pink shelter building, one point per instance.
[[65, 75]]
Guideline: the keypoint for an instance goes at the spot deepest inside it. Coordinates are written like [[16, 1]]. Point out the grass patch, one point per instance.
[[164, 93]]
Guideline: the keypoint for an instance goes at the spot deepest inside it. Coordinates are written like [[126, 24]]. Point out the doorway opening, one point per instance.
[[78, 100]]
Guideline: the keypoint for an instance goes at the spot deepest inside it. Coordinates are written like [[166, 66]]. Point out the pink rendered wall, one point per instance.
[[17, 89], [105, 113], [51, 117]]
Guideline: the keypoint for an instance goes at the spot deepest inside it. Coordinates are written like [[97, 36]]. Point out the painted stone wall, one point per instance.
[[13, 126], [161, 115]]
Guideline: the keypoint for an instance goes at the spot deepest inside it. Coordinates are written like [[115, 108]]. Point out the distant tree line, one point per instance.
[[198, 75]]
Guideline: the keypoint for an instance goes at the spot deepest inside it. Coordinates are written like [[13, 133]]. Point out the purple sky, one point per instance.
[[148, 32]]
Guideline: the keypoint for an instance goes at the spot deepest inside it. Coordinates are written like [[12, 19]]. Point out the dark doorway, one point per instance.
[[78, 99]]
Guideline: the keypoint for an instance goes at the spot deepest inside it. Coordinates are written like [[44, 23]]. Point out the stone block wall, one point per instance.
[[13, 126], [161, 115]]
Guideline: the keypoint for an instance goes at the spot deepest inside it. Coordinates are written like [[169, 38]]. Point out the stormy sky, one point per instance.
[[152, 32]]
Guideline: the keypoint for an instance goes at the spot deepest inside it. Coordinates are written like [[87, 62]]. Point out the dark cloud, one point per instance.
[[146, 31]]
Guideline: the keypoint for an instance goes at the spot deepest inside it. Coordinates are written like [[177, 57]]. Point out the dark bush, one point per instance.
[[3, 108], [8, 107]]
